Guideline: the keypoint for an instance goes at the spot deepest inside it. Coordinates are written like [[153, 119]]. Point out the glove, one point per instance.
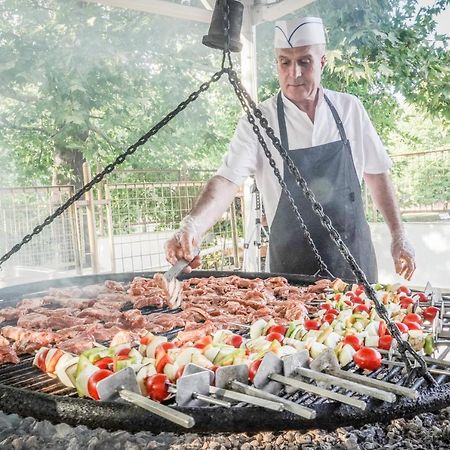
[[403, 256], [182, 243]]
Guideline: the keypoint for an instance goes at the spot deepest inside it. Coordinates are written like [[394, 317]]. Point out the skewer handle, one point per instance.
[[164, 411], [350, 385], [250, 399], [390, 387], [319, 391], [212, 400], [292, 407], [402, 364]]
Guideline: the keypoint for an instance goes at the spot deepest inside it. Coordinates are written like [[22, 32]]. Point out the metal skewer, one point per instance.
[[390, 362]]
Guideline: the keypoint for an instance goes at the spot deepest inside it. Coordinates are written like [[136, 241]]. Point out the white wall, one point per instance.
[[431, 242]]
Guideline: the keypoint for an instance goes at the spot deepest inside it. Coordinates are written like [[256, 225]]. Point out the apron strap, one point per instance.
[[282, 121]]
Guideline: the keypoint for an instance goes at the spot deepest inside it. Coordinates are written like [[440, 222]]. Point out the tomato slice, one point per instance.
[[404, 289], [203, 342], [361, 308], [326, 306], [329, 317], [385, 342], [382, 329], [430, 313], [402, 327], [421, 296], [94, 379], [311, 324], [274, 336], [358, 300], [157, 387], [277, 329], [235, 340], [359, 290], [104, 362], [406, 301], [253, 368], [353, 340], [41, 360], [412, 317], [162, 362], [367, 358], [412, 325]]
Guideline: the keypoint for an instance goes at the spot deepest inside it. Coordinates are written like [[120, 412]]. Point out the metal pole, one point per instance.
[[234, 235], [90, 213], [109, 222]]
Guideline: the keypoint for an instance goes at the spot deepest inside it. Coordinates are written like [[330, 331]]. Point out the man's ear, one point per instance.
[[323, 63]]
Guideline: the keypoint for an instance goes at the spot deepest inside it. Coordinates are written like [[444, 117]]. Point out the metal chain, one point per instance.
[[323, 267], [403, 346], [110, 167]]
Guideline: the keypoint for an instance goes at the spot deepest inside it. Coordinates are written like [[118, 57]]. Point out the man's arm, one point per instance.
[[383, 194], [213, 201]]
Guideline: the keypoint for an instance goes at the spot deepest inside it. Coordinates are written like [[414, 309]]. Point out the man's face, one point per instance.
[[299, 71]]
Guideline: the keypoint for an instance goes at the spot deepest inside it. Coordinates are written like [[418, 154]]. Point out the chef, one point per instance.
[[334, 145]]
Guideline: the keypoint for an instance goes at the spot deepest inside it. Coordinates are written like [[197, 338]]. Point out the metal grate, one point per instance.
[[28, 380]]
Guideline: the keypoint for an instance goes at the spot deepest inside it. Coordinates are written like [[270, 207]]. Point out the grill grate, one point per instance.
[[29, 383]]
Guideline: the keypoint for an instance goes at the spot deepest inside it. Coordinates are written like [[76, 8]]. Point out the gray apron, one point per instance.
[[330, 173]]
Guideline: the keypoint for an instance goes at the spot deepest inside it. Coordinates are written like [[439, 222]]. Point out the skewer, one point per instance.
[[373, 382], [272, 368], [402, 364], [124, 385], [428, 359]]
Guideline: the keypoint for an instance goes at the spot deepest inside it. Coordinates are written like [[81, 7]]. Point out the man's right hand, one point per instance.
[[182, 244]]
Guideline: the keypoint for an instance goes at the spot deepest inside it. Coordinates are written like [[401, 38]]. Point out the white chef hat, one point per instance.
[[299, 32]]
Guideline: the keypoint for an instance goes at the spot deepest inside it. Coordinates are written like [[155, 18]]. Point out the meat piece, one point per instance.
[[10, 313], [93, 290], [134, 319], [13, 333], [30, 303], [59, 293], [8, 355], [29, 341], [74, 302], [122, 337], [146, 292], [33, 320], [191, 335], [77, 345], [3, 341], [114, 286], [101, 312], [320, 286]]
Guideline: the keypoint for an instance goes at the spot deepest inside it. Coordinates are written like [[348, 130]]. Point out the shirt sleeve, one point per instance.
[[376, 158], [241, 160]]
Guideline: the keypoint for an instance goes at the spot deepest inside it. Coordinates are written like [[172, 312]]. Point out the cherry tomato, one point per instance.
[[402, 327], [348, 302], [430, 313], [277, 329], [385, 342], [404, 289], [329, 317], [274, 336], [161, 350], [145, 340], [94, 379], [367, 358], [337, 297], [412, 325], [359, 290], [412, 317], [235, 340], [326, 306], [382, 329], [361, 308], [333, 311], [406, 301], [104, 362], [311, 324], [350, 294], [421, 296], [253, 368], [203, 342], [353, 340], [157, 387], [358, 300], [124, 352]]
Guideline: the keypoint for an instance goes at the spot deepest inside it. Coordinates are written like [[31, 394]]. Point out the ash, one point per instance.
[[426, 431]]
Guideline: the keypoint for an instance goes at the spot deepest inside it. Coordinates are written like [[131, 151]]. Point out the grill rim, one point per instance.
[[120, 415]]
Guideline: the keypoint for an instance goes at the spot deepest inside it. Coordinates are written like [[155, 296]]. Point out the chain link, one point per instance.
[[110, 167], [253, 112]]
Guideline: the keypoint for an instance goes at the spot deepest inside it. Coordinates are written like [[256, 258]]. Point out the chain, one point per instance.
[[110, 167], [254, 112]]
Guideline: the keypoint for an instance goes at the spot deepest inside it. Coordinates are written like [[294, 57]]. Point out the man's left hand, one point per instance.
[[404, 256]]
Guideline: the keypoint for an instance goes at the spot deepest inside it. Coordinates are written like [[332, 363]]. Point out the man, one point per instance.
[[333, 144]]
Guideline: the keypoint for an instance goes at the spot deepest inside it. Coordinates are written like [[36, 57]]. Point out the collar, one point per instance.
[[288, 103]]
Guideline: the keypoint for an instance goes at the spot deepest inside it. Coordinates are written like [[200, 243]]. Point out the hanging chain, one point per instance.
[[254, 112], [110, 167]]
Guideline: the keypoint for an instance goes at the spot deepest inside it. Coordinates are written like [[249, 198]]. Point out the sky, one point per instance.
[[443, 20]]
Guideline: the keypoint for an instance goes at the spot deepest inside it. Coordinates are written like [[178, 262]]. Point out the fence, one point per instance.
[[123, 224]]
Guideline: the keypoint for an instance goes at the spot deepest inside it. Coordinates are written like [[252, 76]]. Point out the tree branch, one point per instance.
[[6, 124], [103, 135]]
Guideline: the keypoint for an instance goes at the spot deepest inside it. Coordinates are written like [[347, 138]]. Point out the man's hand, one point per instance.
[[182, 244], [403, 255]]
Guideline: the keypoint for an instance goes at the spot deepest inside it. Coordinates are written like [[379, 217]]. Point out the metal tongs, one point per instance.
[[179, 266]]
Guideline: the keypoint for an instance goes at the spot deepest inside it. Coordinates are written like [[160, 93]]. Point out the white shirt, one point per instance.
[[246, 157]]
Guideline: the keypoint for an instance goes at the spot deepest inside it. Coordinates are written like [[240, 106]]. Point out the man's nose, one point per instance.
[[297, 71]]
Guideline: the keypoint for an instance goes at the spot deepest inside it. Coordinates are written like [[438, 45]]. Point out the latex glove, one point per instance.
[[182, 243], [403, 256]]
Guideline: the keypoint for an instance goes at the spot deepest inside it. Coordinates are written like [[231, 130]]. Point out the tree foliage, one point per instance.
[[80, 80]]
